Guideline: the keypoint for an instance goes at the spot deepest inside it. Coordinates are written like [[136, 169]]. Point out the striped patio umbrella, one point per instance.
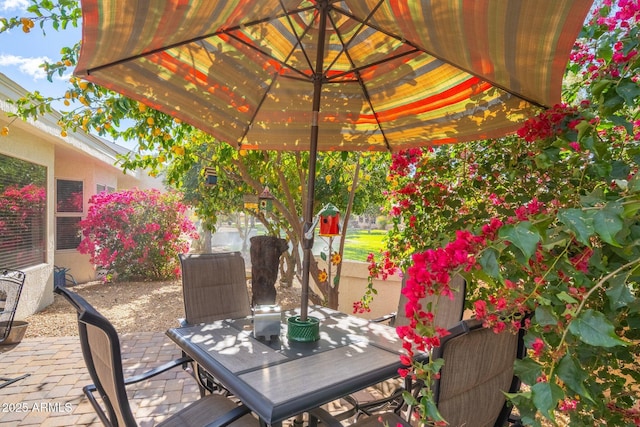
[[334, 75]]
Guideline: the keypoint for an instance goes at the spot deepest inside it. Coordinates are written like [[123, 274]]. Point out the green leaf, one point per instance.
[[620, 169], [522, 236], [634, 184], [565, 297], [542, 161], [546, 396], [573, 376], [323, 256], [593, 328], [628, 90], [621, 121], [528, 370], [489, 262], [336, 281], [579, 223], [545, 317], [599, 86], [619, 293], [431, 410], [612, 103], [607, 222]]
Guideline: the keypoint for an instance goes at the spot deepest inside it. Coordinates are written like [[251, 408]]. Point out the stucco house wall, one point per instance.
[[78, 157]]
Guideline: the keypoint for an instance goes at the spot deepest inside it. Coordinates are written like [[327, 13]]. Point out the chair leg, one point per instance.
[[8, 381]]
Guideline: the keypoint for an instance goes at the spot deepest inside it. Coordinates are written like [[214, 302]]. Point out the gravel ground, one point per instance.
[[130, 306]]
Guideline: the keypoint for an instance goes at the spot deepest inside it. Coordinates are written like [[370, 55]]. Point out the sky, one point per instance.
[[21, 54]]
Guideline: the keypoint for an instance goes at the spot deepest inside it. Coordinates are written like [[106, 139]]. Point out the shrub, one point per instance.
[[136, 234]]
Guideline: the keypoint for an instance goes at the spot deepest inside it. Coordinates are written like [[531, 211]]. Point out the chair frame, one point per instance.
[[87, 315]]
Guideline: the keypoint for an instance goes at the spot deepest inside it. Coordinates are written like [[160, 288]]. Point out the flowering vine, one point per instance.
[[544, 222]]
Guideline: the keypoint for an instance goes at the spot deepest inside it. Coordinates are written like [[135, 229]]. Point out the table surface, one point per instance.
[[278, 379]]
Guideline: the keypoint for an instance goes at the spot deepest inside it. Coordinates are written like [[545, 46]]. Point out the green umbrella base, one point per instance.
[[303, 330]]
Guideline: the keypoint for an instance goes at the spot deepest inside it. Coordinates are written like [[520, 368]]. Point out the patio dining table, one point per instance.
[[279, 379]]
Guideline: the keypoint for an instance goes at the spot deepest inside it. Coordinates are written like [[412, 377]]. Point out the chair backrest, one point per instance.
[[101, 351], [478, 368], [449, 311], [214, 287], [11, 282]]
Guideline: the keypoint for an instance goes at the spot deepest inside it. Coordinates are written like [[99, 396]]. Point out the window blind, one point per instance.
[[23, 201]]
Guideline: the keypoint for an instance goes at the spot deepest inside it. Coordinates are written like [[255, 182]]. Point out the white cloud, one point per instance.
[[14, 5], [29, 66]]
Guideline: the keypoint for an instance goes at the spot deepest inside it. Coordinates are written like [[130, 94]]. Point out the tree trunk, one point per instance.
[[265, 260]]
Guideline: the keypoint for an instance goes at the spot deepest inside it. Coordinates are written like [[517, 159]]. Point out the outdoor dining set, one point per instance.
[[246, 378]]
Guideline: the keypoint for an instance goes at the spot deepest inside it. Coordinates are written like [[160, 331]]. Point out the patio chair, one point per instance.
[[214, 287], [11, 283], [478, 369], [101, 350], [449, 313]]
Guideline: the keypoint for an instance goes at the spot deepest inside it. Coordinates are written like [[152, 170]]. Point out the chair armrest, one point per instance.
[[88, 391], [157, 370], [230, 416], [385, 318], [91, 388], [324, 416]]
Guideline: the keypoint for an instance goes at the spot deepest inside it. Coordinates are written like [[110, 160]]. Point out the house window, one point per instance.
[[69, 208], [23, 201], [100, 188]]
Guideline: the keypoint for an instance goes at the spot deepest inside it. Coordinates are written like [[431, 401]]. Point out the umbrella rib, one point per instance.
[[298, 38], [356, 71], [362, 23], [373, 110], [372, 64], [255, 113], [279, 61], [418, 48], [88, 71]]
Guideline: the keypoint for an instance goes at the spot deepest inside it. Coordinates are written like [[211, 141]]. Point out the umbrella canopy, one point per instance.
[[334, 75]]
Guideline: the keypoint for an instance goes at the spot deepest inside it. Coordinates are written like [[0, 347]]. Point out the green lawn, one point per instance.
[[359, 243]]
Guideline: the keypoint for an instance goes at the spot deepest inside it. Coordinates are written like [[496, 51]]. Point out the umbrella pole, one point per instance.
[[313, 156]]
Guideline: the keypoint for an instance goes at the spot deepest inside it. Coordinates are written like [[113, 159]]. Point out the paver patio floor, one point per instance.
[[52, 393]]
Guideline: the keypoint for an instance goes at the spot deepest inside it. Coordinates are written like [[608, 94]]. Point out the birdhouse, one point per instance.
[[329, 221], [265, 199], [210, 177], [250, 202]]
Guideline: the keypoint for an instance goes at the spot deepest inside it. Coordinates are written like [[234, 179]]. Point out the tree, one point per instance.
[[348, 180], [544, 222], [179, 152]]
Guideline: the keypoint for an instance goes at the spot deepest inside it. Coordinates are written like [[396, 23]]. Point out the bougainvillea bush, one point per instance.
[[546, 223], [136, 234]]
